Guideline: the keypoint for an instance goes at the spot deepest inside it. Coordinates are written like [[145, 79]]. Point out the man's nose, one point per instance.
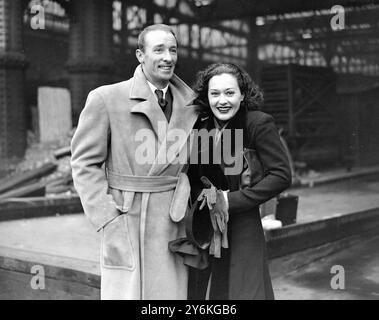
[[167, 56]]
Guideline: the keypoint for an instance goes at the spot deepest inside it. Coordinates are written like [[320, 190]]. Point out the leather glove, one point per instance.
[[207, 195], [221, 211], [219, 216], [215, 247]]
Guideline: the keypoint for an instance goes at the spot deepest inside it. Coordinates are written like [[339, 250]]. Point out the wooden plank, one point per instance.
[[290, 239], [60, 184], [26, 208], [17, 286], [282, 265], [62, 152], [31, 190], [21, 178]]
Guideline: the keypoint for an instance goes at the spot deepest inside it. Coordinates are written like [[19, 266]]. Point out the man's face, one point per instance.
[[159, 57]]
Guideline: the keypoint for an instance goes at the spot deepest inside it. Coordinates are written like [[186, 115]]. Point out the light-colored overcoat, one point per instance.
[[127, 166]]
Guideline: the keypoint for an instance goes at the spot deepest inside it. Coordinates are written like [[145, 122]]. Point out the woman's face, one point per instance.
[[224, 96]]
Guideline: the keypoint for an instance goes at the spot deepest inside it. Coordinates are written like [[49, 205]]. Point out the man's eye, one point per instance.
[[173, 50], [158, 50], [213, 94]]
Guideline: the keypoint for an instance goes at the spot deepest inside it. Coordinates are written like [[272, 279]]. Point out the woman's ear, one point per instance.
[[242, 98]]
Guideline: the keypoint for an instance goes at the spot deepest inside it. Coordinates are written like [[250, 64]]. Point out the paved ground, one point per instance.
[[337, 198], [66, 236], [314, 282]]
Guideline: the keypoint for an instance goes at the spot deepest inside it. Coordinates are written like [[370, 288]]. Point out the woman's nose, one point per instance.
[[222, 99]]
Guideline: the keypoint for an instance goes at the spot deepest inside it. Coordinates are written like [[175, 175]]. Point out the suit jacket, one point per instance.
[[132, 188], [242, 271]]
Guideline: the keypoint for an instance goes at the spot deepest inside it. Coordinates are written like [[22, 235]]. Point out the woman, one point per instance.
[[228, 101]]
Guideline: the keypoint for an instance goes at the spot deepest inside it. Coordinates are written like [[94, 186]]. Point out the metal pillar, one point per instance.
[[12, 65], [253, 67], [90, 50]]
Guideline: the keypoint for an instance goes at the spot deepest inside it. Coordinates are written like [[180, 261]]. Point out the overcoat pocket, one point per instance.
[[116, 249]]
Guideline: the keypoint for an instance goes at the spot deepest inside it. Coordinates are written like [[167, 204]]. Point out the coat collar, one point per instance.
[[147, 104], [140, 89]]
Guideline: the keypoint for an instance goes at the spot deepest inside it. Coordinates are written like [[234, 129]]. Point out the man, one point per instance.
[[138, 202]]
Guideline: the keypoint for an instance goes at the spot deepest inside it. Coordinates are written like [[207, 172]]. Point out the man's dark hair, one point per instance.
[[162, 27]]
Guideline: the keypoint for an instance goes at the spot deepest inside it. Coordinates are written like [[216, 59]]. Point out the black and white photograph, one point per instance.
[[189, 150]]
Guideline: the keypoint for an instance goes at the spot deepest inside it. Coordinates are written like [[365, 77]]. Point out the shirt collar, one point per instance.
[[153, 88]]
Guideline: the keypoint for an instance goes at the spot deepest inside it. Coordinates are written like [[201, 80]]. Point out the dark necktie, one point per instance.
[[161, 101]]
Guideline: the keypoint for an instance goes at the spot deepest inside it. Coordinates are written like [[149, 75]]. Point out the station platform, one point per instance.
[[336, 192], [329, 214], [356, 272]]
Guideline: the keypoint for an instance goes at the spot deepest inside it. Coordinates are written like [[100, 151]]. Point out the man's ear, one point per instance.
[[139, 55]]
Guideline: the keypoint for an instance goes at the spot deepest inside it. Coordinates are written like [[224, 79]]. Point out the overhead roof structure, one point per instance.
[[285, 30], [215, 10]]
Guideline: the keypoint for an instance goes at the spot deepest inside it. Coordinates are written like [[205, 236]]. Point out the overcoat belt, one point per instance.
[[146, 185]]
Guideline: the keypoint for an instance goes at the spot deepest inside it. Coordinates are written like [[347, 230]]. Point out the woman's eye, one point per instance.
[[229, 93], [214, 94]]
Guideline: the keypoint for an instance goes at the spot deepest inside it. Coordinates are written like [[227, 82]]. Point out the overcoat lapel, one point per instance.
[[148, 104], [182, 120]]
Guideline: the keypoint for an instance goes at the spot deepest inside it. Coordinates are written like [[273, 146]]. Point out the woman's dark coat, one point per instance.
[[242, 271]]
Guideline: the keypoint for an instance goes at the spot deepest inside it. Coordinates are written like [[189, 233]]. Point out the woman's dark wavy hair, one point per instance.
[[253, 95]]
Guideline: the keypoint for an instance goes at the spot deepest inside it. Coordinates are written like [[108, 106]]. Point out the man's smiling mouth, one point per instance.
[[165, 67]]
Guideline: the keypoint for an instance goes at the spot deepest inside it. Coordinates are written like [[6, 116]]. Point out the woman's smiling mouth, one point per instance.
[[224, 109]]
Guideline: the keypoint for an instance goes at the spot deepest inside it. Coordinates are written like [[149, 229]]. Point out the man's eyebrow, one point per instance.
[[231, 88]]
